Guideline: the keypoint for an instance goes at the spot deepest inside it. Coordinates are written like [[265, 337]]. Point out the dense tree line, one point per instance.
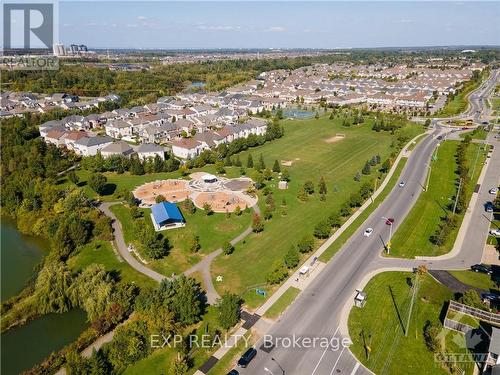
[[459, 203]]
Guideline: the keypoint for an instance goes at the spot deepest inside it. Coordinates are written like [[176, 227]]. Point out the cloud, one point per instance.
[[218, 27], [141, 18], [404, 20], [276, 29]]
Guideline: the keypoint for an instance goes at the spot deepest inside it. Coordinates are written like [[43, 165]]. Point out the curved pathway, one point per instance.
[[122, 246], [203, 266]]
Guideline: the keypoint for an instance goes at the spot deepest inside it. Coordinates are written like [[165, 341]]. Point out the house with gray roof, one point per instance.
[[89, 146], [119, 148], [150, 150]]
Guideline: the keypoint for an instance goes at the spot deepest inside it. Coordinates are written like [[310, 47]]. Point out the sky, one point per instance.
[[281, 24]]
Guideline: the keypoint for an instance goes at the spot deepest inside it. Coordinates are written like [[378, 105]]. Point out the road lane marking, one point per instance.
[[355, 368], [337, 361], [324, 352]]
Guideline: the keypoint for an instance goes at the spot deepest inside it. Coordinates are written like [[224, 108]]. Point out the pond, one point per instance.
[[25, 346], [296, 113], [19, 254]]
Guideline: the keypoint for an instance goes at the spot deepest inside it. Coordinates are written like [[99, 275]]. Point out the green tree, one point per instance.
[[97, 182], [155, 245], [183, 296], [249, 161], [431, 336], [278, 273], [227, 248], [366, 169], [285, 175], [309, 187], [261, 165], [52, 284], [322, 229], [160, 198], [322, 186], [276, 167], [189, 206], [207, 207], [292, 258], [194, 243], [228, 310], [257, 224], [306, 244]]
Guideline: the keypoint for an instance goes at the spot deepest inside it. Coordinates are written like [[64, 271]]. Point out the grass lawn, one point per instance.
[[412, 237], [101, 252], [212, 230], [378, 323], [282, 303], [305, 144], [478, 133], [476, 279], [341, 240]]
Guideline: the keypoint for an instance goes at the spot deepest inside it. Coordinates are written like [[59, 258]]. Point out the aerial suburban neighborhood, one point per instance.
[[251, 188]]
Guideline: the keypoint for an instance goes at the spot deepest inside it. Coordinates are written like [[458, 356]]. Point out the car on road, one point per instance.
[[368, 232], [247, 357], [493, 191], [233, 372], [488, 207], [389, 221], [495, 232], [483, 268], [492, 297], [402, 184]]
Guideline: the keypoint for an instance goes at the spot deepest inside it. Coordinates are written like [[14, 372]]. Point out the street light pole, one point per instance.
[[267, 370], [388, 245], [281, 368]]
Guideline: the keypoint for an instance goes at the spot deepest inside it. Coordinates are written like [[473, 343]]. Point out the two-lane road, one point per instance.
[[316, 312]]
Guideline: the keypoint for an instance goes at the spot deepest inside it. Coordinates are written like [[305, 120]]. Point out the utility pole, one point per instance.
[[415, 290], [456, 198]]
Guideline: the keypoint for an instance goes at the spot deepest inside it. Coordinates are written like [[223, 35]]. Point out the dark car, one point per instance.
[[247, 357], [488, 207], [389, 221], [233, 372], [492, 297], [483, 268]]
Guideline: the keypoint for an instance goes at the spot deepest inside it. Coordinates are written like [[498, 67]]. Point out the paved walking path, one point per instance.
[[204, 265], [452, 283], [122, 247]]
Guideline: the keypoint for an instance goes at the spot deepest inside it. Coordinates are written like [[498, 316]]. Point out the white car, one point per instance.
[[495, 232], [494, 190], [368, 232], [402, 184]]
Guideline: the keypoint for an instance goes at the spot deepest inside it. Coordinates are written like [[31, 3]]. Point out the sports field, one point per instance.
[[307, 144]]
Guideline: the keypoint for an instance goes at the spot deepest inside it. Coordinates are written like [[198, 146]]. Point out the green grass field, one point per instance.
[[212, 230], [101, 252], [340, 241], [305, 144], [476, 279], [412, 237], [282, 303], [378, 326], [479, 133]]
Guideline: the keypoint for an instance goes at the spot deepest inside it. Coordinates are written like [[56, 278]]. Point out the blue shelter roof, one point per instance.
[[166, 211]]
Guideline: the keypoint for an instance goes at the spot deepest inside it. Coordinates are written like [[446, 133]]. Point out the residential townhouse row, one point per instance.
[[18, 103]]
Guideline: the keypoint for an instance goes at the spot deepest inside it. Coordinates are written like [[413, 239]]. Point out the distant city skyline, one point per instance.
[[239, 24]]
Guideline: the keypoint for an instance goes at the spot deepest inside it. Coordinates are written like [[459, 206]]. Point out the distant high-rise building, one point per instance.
[[58, 50], [82, 48], [73, 48]]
